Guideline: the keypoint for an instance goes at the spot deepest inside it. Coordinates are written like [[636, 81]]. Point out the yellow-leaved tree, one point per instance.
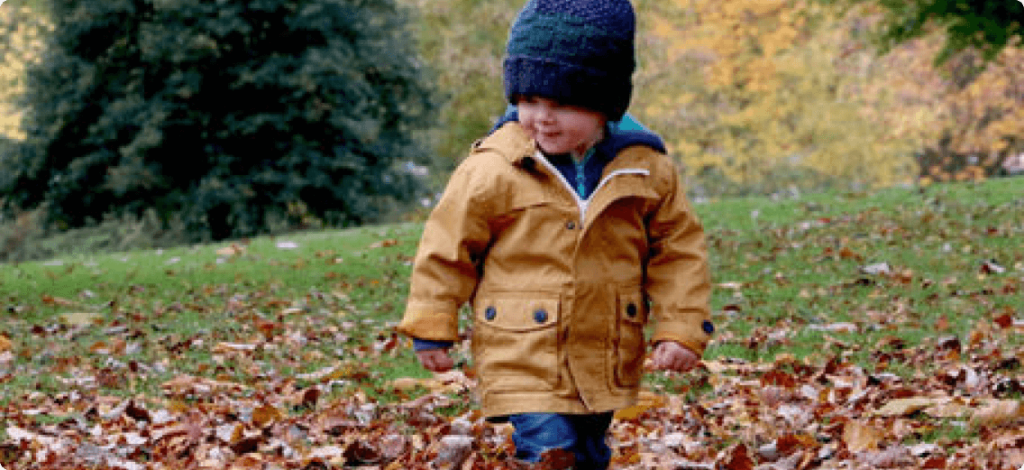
[[982, 126], [771, 93], [22, 31]]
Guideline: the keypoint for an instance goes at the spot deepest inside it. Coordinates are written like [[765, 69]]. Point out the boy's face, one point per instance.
[[559, 128]]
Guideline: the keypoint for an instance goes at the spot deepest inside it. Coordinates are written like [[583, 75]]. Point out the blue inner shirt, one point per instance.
[[584, 176]]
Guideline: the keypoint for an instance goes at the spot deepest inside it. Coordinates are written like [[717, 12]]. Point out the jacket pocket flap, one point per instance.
[[528, 197], [518, 314]]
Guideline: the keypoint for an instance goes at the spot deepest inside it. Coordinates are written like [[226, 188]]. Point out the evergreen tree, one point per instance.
[[230, 115]]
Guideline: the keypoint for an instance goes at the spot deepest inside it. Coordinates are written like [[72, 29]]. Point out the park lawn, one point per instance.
[[830, 309]]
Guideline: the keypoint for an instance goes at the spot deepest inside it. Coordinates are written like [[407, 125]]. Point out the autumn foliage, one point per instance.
[[760, 96], [753, 96]]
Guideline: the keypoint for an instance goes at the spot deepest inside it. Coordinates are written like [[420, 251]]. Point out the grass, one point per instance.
[[790, 274], [952, 254]]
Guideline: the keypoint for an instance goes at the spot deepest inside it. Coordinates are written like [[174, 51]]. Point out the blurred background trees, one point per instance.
[[984, 26], [773, 96], [975, 49], [230, 117], [233, 118]]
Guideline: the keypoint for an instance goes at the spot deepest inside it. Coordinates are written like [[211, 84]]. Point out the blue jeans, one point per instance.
[[583, 435]]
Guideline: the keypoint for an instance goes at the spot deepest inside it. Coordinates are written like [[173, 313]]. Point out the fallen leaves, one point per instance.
[[882, 364], [998, 413], [192, 386]]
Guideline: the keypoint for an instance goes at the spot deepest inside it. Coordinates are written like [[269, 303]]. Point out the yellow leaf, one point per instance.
[[5, 344], [405, 384], [232, 250], [954, 408], [646, 401], [80, 318], [905, 406]]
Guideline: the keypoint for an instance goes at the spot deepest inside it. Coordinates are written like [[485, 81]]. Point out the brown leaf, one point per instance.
[[392, 446], [860, 437], [384, 243], [991, 267], [846, 253], [265, 415], [51, 300], [331, 454], [738, 458], [778, 378], [556, 459], [5, 344], [454, 450], [998, 413], [789, 443], [896, 456], [114, 347], [192, 385]]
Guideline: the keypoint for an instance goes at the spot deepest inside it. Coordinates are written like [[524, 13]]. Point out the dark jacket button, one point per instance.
[[708, 327], [631, 310], [540, 315], [570, 225], [490, 313]]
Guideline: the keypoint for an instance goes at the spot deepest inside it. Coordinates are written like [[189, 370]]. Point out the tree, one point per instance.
[[988, 25], [232, 116], [976, 52], [21, 32], [759, 96]]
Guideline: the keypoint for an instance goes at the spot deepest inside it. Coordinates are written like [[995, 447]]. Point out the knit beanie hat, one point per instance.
[[577, 52]]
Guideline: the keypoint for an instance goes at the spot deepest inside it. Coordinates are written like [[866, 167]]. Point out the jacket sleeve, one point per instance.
[[678, 281], [445, 271]]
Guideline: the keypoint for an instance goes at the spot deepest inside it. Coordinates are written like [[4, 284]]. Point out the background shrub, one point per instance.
[[223, 116]]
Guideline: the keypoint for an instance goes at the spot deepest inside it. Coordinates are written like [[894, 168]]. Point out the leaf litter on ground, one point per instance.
[[885, 334]]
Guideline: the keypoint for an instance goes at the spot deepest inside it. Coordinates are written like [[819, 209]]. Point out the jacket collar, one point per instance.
[[511, 142]]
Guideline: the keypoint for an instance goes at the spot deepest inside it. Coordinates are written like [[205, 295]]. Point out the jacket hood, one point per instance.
[[619, 135]]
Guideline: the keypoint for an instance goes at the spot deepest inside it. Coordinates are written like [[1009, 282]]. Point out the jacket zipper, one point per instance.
[[581, 203]]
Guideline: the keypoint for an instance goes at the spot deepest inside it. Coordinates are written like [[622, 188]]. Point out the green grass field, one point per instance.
[[902, 285]]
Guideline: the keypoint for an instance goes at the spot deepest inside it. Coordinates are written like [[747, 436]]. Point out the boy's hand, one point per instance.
[[669, 355], [436, 360]]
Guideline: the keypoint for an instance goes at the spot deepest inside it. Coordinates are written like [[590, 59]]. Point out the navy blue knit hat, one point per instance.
[[577, 52]]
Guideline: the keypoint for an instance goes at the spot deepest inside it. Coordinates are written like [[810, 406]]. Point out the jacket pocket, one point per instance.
[[515, 342], [630, 344]]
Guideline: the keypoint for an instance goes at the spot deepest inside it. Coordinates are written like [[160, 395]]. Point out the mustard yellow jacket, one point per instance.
[[560, 288]]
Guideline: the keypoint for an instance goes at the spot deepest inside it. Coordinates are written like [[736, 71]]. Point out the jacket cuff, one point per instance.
[[433, 325], [693, 337]]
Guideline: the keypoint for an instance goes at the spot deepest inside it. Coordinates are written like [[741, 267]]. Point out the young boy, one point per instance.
[[565, 231]]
